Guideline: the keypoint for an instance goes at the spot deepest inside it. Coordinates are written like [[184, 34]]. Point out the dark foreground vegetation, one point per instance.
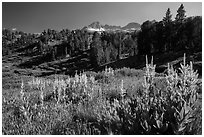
[[76, 82]]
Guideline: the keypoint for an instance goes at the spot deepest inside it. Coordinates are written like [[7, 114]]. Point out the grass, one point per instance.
[[108, 102]]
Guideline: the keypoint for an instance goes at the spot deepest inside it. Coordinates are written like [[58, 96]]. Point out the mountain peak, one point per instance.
[[96, 26], [131, 26]]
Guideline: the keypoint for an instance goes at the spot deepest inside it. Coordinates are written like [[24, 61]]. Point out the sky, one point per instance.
[[34, 17]]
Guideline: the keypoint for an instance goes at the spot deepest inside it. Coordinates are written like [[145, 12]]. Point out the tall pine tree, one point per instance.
[[167, 21], [168, 18], [180, 14], [97, 53]]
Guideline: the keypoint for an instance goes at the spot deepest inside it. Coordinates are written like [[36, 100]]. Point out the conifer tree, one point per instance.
[[96, 50], [180, 14], [168, 18], [167, 21]]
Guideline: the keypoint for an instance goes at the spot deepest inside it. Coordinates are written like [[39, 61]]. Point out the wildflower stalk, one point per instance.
[[25, 106], [41, 96], [182, 88]]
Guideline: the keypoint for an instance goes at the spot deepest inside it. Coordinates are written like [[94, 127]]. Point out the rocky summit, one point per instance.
[[97, 26]]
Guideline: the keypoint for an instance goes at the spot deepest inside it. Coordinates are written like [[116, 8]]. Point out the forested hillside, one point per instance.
[[154, 38]]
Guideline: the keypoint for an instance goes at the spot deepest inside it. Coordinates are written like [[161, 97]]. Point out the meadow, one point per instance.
[[111, 102]]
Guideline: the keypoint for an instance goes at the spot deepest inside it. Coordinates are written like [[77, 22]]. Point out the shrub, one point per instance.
[[129, 72]]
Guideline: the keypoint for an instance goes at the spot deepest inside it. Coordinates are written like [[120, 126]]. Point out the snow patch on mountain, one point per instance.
[[96, 26]]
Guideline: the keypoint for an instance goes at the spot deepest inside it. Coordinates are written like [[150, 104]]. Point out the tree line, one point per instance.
[[155, 37], [182, 33]]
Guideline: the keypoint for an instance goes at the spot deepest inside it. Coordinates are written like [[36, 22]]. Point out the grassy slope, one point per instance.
[[59, 118]]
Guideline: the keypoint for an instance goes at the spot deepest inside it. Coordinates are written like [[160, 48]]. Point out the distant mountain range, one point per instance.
[[96, 26]]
